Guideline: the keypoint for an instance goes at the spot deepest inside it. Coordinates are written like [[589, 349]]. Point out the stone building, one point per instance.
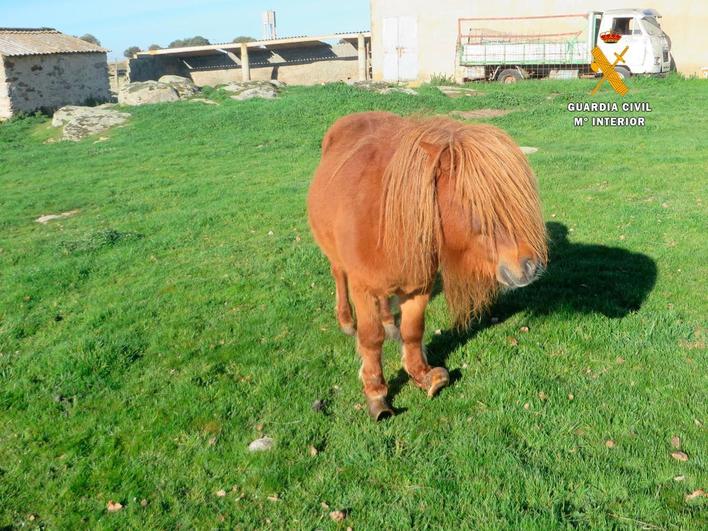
[[43, 69], [412, 40]]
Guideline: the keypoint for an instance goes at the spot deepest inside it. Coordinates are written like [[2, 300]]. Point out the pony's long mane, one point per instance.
[[491, 179]]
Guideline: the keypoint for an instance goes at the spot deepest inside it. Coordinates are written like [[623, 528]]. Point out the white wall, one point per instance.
[[685, 21]]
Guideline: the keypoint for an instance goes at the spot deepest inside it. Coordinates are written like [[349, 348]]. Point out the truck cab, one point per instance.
[[649, 48]]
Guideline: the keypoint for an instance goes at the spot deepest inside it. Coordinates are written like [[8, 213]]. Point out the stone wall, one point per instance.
[[5, 109], [51, 81], [305, 65]]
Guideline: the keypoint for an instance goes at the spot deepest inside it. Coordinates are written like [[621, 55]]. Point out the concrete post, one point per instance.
[[245, 64], [361, 48]]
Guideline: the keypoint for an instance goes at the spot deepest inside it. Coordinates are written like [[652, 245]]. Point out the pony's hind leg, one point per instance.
[[344, 311], [415, 363], [370, 338], [387, 319]]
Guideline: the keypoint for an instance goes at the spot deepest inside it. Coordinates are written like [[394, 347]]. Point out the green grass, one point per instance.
[[186, 310]]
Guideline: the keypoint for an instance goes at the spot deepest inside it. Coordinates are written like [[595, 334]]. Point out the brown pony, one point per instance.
[[394, 200]]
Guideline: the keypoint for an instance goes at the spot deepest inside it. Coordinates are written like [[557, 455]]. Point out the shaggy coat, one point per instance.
[[394, 200]]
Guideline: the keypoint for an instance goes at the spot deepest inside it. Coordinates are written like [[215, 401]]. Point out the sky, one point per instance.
[[119, 25]]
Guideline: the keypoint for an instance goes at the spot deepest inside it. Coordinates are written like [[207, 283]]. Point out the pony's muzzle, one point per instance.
[[526, 272]]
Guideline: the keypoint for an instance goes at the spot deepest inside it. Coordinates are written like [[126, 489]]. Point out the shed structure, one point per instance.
[[294, 60], [413, 40], [44, 69]]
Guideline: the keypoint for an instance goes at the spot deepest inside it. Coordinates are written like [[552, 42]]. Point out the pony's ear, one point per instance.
[[439, 152], [433, 150]]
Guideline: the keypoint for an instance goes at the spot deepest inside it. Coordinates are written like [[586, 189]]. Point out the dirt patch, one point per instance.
[[480, 113]]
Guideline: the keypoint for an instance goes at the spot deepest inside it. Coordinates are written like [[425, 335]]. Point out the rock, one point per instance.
[[459, 92], [147, 92], [261, 445], [203, 100], [247, 90], [529, 150], [184, 86], [240, 86], [400, 90], [381, 87], [79, 122], [258, 92], [51, 217]]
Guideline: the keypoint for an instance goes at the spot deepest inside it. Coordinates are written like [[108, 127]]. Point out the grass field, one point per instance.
[[186, 311]]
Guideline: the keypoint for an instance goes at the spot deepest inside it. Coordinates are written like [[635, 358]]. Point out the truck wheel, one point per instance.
[[510, 75], [623, 72]]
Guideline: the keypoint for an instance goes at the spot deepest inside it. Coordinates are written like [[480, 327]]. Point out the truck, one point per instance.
[[508, 49]]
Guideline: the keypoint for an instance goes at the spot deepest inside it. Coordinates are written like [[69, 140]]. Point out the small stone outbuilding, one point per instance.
[[45, 69]]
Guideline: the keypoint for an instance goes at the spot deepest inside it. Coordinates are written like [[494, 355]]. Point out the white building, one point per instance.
[[413, 40]]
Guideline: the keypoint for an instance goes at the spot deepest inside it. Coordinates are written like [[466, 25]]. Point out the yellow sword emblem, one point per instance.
[[601, 63]]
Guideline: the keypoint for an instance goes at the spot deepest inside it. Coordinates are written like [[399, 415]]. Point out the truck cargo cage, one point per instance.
[[532, 45]]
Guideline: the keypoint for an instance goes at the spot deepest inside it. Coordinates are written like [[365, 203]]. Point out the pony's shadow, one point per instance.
[[580, 278]]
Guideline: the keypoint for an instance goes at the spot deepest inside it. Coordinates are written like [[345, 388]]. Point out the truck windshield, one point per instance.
[[651, 26]]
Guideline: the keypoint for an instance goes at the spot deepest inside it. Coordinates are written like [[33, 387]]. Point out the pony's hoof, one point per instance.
[[348, 329], [379, 408], [392, 331], [436, 379]]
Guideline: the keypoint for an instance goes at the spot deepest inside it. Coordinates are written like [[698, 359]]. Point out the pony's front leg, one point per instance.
[[370, 338], [415, 363]]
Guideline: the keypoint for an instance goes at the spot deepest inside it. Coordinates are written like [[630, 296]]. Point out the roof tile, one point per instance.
[[41, 41]]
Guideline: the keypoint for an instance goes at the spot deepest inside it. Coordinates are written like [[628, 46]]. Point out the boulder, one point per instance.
[[257, 92], [203, 100], [184, 86], [80, 122], [381, 87], [240, 86], [247, 90], [147, 92], [399, 90]]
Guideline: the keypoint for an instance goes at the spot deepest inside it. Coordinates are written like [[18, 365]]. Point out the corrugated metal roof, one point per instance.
[[280, 42], [41, 41]]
